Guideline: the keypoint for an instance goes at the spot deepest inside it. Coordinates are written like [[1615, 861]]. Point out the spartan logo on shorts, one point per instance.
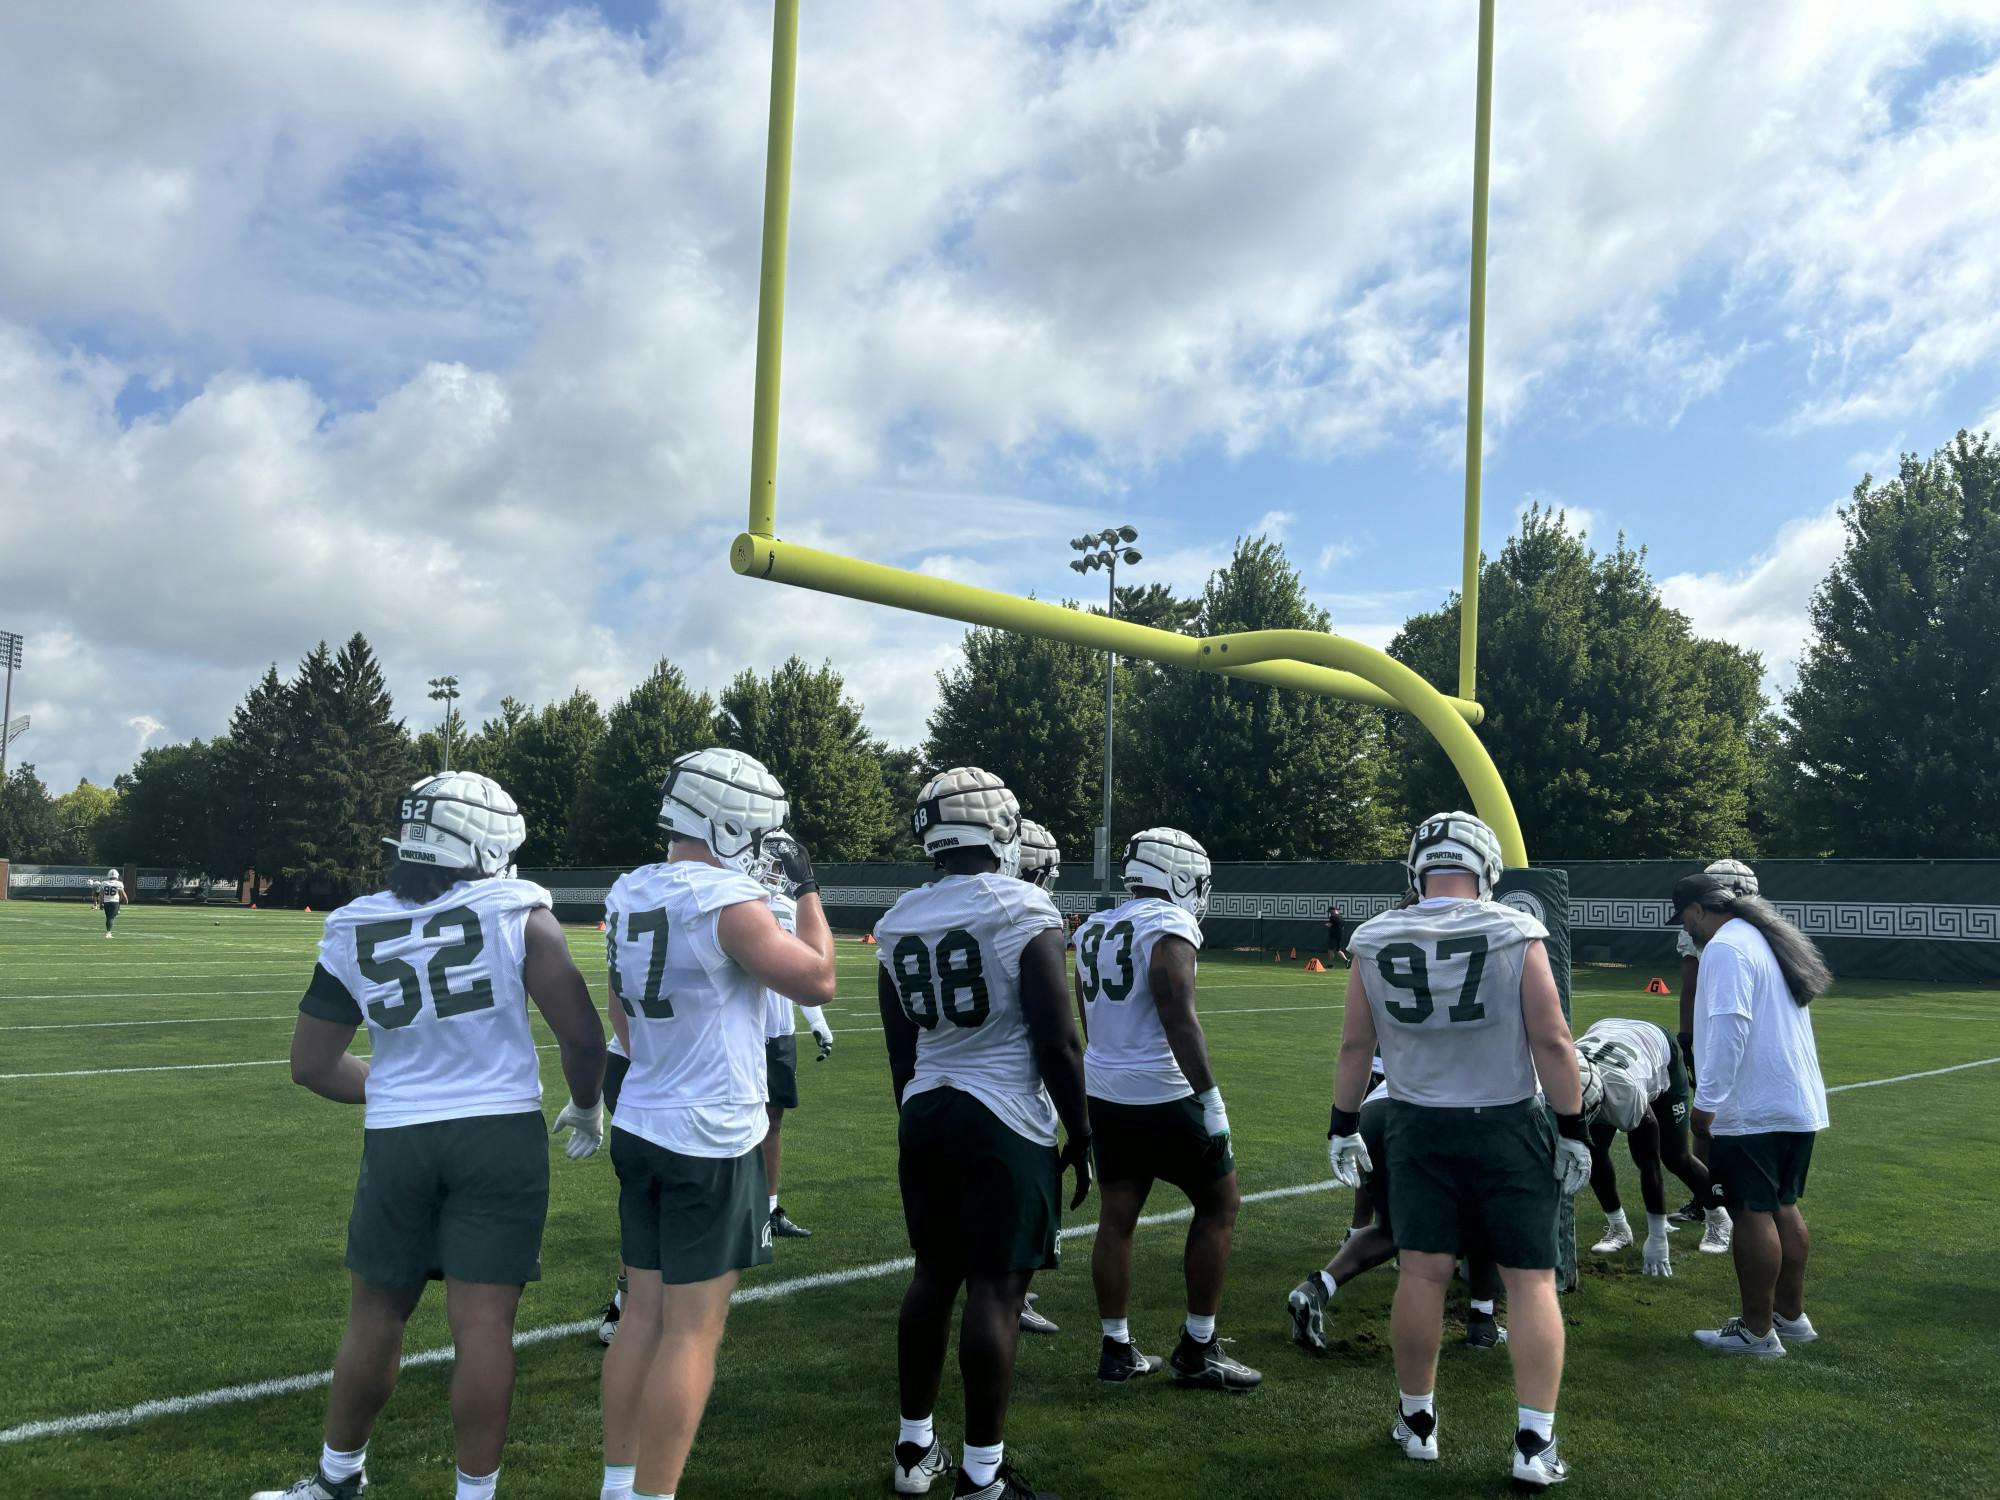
[[764, 1242], [1528, 902]]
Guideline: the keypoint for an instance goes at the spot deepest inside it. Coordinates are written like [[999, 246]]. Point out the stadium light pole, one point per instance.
[[445, 689], [1103, 550], [10, 649]]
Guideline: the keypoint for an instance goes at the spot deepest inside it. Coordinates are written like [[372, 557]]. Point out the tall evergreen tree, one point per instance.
[[904, 773], [259, 769], [542, 762], [1892, 741], [618, 804], [380, 761], [801, 724]]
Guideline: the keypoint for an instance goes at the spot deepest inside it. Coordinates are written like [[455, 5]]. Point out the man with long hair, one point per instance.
[[454, 1181], [1716, 1227], [1760, 1099]]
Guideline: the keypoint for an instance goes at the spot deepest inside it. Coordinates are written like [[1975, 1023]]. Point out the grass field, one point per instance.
[[172, 1212]]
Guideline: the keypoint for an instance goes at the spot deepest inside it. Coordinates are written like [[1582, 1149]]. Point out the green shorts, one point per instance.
[[976, 1195], [1475, 1181], [691, 1218], [1138, 1143], [464, 1199], [1759, 1173], [781, 1071]]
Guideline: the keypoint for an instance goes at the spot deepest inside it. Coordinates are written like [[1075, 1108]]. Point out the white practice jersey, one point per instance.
[[110, 892], [1443, 980], [696, 1085], [1635, 1061], [439, 986], [1128, 1060], [953, 950], [778, 1019]]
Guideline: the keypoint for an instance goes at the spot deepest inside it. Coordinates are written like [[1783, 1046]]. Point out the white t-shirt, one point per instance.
[[696, 1085], [1759, 1062], [953, 949], [1634, 1062], [439, 986], [1129, 1060], [777, 1009]]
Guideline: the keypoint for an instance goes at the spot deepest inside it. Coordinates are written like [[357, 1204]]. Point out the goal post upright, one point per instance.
[[1475, 364]]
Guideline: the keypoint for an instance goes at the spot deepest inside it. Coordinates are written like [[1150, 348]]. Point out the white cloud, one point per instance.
[[1762, 601], [1335, 552]]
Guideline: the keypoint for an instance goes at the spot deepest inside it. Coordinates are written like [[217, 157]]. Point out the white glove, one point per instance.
[[822, 1033], [1658, 1262], [1214, 1118], [1572, 1165], [1348, 1156], [586, 1127]]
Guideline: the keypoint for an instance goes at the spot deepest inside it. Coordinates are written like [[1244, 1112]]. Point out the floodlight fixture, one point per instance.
[[1128, 533], [16, 728], [10, 650], [1133, 554], [445, 689], [1081, 566]]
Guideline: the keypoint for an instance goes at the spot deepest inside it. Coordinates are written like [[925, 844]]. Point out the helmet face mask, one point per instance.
[[459, 820], [726, 800], [1456, 841], [1591, 1084], [1166, 859], [968, 808]]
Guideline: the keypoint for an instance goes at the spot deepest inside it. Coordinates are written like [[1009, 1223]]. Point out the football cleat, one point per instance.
[[1536, 1465], [1483, 1331], [1207, 1366], [607, 1322], [917, 1467], [1616, 1237], [1716, 1233], [1416, 1433], [1007, 1484], [1034, 1322], [1307, 1305], [1797, 1330], [1733, 1338], [1118, 1363], [782, 1227], [1689, 1212], [316, 1486]]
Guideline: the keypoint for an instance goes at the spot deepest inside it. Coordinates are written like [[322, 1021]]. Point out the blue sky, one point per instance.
[[434, 320]]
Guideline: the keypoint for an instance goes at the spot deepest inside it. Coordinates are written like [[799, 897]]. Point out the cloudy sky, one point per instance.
[[434, 318]]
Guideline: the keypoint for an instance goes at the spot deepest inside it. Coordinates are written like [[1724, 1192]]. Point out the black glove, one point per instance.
[[1076, 1153], [795, 862]]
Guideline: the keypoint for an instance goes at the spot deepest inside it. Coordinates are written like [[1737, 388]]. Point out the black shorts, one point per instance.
[[461, 1198], [977, 1196], [781, 1071], [1137, 1143], [1759, 1173], [616, 1066], [1671, 1107], [1475, 1181], [691, 1218], [1375, 1136]]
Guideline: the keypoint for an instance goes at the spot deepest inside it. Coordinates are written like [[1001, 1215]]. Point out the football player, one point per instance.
[[109, 894], [1634, 1081], [454, 1181], [693, 946], [984, 1061], [781, 1048], [1458, 994], [1156, 1112], [1041, 865], [1741, 879]]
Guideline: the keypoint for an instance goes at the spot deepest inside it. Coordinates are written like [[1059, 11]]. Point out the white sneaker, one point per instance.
[[914, 1470], [1716, 1232], [1616, 1237], [1539, 1468], [1405, 1436], [316, 1486], [1797, 1330], [1658, 1260], [1733, 1338]]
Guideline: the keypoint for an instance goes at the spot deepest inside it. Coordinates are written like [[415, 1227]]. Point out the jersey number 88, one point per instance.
[[950, 984]]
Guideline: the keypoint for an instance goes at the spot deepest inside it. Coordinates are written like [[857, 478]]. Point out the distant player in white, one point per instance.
[[1457, 993], [692, 947], [984, 1060], [1740, 878], [110, 894], [1634, 1082], [1155, 1109], [781, 1051], [454, 1181], [1041, 866]]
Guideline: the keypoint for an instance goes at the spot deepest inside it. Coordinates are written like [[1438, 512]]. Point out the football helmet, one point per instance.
[[1735, 874], [769, 871], [966, 807], [459, 820], [1165, 859], [1041, 860], [1454, 841], [727, 800], [1593, 1086], [110, 874]]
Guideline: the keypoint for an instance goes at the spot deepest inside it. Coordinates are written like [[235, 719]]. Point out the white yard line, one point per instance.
[[185, 1021]]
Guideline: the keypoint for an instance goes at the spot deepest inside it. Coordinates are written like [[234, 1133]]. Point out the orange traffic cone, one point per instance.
[[1657, 987], [1314, 966], [869, 940], [600, 927], [1276, 956], [308, 908], [1295, 953]]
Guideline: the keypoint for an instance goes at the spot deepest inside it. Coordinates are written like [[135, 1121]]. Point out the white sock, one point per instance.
[[1541, 1423], [1413, 1404], [1483, 1305], [1656, 1226], [618, 1481], [774, 1204], [1327, 1283], [918, 1430], [1118, 1329], [1201, 1329], [649, 1495], [482, 1487], [980, 1464], [337, 1466], [1616, 1219]]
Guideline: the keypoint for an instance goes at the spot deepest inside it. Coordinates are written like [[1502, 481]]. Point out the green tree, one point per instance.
[[801, 724], [28, 831], [1158, 606], [80, 813], [541, 762], [616, 821], [904, 773], [1892, 735], [1618, 733], [259, 771], [170, 811], [1257, 772]]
